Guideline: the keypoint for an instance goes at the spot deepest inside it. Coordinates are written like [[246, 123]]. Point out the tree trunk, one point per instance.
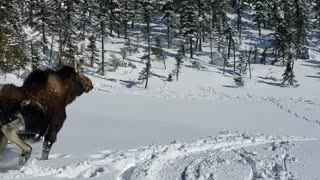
[[234, 57], [249, 63], [168, 34], [259, 27], [102, 46], [51, 50], [149, 56], [229, 46], [211, 46], [191, 50], [126, 29]]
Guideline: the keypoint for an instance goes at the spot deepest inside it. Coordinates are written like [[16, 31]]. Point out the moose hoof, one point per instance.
[[44, 157], [24, 159]]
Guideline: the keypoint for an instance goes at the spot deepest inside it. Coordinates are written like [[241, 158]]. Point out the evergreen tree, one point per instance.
[[169, 18], [148, 10], [101, 18], [144, 75], [179, 60], [189, 23], [242, 65], [92, 51], [288, 75], [260, 16], [301, 23]]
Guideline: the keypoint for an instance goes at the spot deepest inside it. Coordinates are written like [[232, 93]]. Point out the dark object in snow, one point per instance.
[[304, 53], [239, 81], [169, 77], [49, 92]]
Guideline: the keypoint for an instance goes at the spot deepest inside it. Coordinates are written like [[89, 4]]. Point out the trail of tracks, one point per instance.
[[227, 156], [209, 93]]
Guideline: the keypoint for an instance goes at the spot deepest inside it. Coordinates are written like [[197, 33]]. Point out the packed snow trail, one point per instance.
[[226, 156]]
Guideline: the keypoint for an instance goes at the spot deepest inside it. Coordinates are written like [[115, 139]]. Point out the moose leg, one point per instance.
[[51, 135], [49, 139], [10, 131], [3, 141]]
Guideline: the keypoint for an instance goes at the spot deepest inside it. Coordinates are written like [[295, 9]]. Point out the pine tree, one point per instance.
[[92, 51], [169, 18], [300, 24], [260, 15], [189, 23], [127, 14], [179, 60], [147, 14], [144, 75], [101, 18], [282, 42], [242, 65], [288, 75]]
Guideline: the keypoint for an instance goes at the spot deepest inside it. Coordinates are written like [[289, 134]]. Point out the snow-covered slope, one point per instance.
[[173, 130], [200, 127]]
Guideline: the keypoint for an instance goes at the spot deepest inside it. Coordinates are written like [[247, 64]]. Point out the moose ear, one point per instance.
[[76, 67]]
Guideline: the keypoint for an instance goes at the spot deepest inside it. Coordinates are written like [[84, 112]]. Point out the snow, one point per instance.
[[200, 127], [187, 129]]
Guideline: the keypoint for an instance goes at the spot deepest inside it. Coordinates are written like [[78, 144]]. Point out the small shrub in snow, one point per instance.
[[197, 65], [130, 64], [239, 81], [115, 62], [170, 77]]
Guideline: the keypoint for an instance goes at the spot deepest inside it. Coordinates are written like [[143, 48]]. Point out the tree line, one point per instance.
[[65, 31]]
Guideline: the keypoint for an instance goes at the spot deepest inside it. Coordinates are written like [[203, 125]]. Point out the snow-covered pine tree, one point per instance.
[[282, 42], [260, 15], [239, 9], [11, 56], [242, 65], [316, 10], [127, 14], [144, 75], [92, 50], [158, 52], [137, 9], [101, 18], [169, 18], [288, 75], [189, 24], [148, 10], [300, 24]]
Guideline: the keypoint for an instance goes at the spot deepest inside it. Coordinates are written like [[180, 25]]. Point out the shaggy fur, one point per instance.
[[52, 90]]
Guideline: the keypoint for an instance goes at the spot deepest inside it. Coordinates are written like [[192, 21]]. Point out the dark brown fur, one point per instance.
[[54, 90]]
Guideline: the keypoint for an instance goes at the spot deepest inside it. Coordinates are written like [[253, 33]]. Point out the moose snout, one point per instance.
[[88, 85]]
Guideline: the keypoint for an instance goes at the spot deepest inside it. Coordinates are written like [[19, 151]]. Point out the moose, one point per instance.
[[37, 109]]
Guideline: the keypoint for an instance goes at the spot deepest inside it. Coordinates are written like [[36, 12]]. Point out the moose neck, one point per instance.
[[71, 93]]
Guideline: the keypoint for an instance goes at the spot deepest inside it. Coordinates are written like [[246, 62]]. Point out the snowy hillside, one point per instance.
[[173, 130], [203, 126]]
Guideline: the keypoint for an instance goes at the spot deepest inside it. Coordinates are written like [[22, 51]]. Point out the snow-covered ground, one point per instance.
[[200, 127]]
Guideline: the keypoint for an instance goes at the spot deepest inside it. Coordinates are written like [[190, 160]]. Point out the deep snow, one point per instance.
[[186, 129], [200, 127]]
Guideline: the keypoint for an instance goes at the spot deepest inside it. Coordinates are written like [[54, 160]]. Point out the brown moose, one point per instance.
[[38, 107]]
